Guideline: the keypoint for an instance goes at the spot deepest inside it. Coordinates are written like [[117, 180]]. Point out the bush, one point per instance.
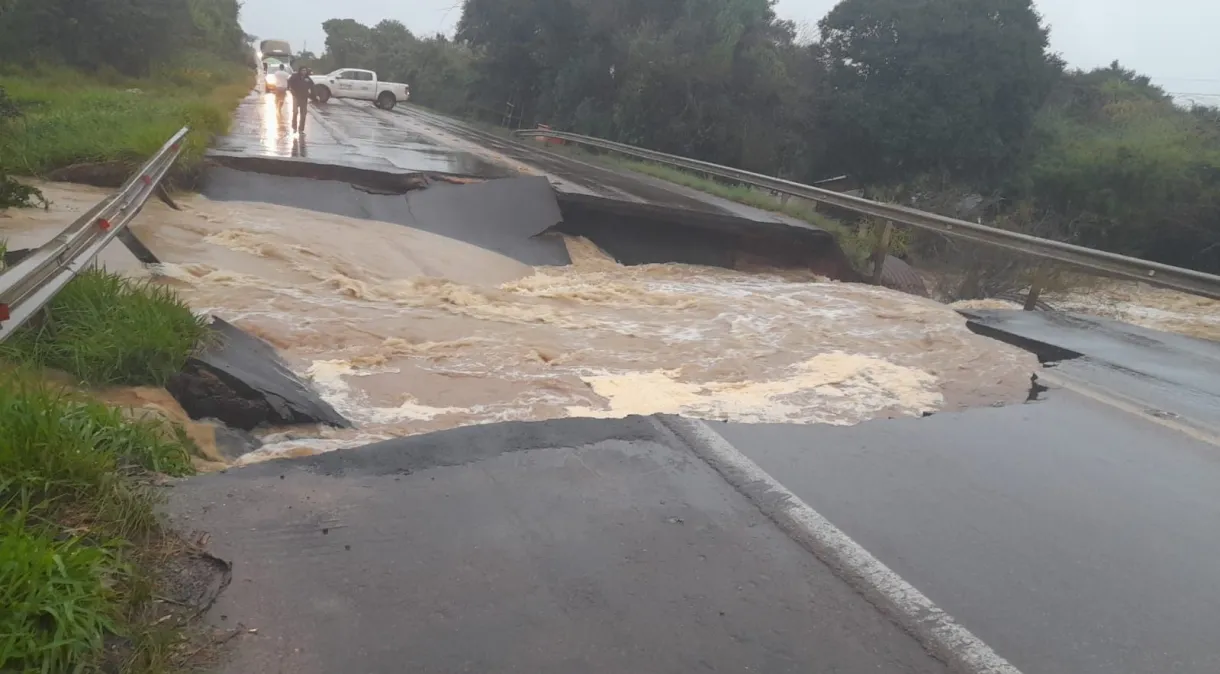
[[1127, 170], [108, 330], [13, 193]]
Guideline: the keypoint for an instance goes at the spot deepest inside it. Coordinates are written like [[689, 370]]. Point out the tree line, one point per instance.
[[943, 102], [132, 37]]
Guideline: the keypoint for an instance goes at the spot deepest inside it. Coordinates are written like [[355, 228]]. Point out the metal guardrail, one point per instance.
[[1154, 273], [27, 286]]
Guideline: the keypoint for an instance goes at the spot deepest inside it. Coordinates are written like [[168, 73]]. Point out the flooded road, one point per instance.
[[344, 133], [406, 332]]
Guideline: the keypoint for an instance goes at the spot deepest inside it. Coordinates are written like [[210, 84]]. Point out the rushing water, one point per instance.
[[406, 332]]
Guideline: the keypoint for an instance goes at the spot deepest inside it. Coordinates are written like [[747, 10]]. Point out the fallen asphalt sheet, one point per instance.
[[577, 545], [255, 388]]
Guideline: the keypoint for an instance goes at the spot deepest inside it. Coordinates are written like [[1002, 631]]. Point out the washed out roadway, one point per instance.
[[1077, 534], [574, 545]]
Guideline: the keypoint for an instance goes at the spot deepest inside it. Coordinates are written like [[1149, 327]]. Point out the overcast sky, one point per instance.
[[1171, 40]]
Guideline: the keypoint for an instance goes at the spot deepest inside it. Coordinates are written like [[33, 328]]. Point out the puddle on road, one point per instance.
[[407, 332]]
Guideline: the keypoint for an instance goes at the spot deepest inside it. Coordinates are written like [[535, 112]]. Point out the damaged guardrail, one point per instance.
[[1154, 273], [28, 285]]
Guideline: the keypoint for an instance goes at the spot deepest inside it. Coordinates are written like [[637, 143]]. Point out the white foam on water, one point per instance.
[[330, 377], [833, 388]]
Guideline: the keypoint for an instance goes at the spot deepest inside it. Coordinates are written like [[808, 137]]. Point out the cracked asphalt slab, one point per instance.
[[576, 545]]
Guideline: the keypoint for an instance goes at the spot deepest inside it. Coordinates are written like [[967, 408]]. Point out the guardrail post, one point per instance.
[[882, 250], [1035, 289]]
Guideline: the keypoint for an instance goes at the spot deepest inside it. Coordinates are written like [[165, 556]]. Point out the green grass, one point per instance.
[[75, 528], [80, 541], [57, 597], [107, 330], [70, 118]]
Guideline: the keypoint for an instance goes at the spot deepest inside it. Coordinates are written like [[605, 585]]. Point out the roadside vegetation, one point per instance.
[[110, 81], [949, 105], [69, 117], [78, 534], [106, 330], [14, 193], [81, 547], [83, 555]]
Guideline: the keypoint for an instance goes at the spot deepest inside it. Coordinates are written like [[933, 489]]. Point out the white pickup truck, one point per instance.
[[361, 85]]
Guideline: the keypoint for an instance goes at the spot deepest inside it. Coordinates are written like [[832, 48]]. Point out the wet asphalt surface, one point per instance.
[[1072, 537], [343, 133], [1077, 534], [571, 546], [355, 133]]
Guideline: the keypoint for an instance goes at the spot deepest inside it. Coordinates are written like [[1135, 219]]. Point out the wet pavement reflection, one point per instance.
[[344, 132]]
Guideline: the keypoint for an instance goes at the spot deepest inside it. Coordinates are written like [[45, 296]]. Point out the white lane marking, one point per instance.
[[1190, 427], [936, 630]]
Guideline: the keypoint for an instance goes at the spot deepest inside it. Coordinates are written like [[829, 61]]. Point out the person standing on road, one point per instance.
[[302, 88], [281, 80]]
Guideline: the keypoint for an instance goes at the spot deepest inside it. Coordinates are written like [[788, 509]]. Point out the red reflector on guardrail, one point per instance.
[[103, 224], [4, 312]]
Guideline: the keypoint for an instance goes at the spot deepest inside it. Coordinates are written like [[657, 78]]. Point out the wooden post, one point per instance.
[[1035, 289], [881, 251]]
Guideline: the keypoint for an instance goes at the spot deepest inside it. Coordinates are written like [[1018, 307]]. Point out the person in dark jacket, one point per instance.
[[301, 88]]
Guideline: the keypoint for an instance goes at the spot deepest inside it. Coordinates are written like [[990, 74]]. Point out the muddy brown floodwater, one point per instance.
[[407, 332]]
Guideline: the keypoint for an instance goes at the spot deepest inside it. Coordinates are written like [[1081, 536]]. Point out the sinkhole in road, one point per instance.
[[407, 331]]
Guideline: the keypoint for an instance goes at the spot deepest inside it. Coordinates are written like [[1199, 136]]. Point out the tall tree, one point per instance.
[[934, 85], [131, 36], [349, 43]]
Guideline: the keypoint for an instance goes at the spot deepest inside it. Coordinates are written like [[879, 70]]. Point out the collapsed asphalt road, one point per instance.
[[568, 546], [1072, 534]]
